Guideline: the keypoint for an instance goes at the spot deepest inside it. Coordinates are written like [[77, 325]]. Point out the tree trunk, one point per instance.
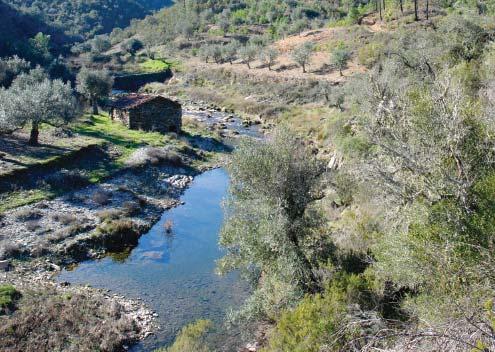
[[35, 132], [341, 74], [380, 8], [94, 103], [376, 5], [304, 68], [427, 9], [416, 17], [248, 65], [311, 285], [384, 5], [401, 7]]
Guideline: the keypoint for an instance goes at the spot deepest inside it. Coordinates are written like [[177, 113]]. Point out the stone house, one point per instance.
[[147, 112]]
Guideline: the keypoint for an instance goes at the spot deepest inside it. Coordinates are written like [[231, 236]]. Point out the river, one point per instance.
[[174, 273]]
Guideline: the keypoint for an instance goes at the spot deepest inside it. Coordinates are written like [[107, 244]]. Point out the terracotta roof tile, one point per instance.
[[134, 100]]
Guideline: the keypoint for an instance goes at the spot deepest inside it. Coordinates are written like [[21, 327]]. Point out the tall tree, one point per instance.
[[34, 98], [272, 228], [94, 85]]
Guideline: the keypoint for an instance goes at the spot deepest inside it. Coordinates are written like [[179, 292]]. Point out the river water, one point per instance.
[[174, 273]]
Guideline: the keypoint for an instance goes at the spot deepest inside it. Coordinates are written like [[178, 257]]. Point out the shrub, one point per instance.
[[10, 249], [191, 338], [116, 235], [28, 214], [64, 219], [369, 54], [8, 296], [310, 325], [66, 232], [40, 249], [131, 208], [32, 225], [67, 180], [110, 214], [49, 321], [154, 156], [101, 197]]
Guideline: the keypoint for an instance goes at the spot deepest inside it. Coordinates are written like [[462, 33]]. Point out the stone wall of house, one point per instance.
[[120, 115], [157, 115]]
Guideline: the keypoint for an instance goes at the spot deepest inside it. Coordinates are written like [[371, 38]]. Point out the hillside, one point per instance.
[[82, 18], [16, 28]]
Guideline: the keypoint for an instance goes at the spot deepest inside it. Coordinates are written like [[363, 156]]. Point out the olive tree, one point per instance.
[[10, 68], [269, 56], [94, 85], [248, 54], [100, 44], [272, 226], [34, 98], [340, 57], [302, 55], [230, 51]]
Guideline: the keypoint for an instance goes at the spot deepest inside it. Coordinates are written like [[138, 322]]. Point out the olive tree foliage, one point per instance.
[[230, 51], [340, 57], [302, 55], [10, 68], [274, 231], [100, 44], [94, 85], [248, 53], [268, 56], [429, 167], [34, 98]]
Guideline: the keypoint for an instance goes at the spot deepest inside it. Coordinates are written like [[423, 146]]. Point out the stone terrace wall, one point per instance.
[[133, 82]]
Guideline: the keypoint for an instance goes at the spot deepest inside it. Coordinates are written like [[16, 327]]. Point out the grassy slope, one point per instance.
[[103, 131]]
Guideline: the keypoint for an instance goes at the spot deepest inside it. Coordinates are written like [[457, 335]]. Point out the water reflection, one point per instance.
[[174, 272]]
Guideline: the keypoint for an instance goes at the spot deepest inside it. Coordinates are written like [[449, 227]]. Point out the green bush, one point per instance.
[[369, 54], [8, 296], [191, 338], [319, 322]]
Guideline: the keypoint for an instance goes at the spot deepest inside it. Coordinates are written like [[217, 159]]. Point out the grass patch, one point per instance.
[[101, 130], [155, 65], [20, 198], [126, 140]]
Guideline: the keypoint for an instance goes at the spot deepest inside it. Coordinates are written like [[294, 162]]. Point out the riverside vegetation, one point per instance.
[[364, 220]]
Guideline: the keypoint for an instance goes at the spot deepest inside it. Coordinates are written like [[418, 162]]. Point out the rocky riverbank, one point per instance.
[[39, 240]]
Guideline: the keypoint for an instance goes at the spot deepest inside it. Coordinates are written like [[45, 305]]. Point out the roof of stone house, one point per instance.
[[134, 100]]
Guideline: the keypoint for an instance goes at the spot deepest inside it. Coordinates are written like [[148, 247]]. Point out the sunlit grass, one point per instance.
[[156, 65]]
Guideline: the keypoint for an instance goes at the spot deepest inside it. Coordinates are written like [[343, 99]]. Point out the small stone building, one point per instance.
[[147, 112]]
